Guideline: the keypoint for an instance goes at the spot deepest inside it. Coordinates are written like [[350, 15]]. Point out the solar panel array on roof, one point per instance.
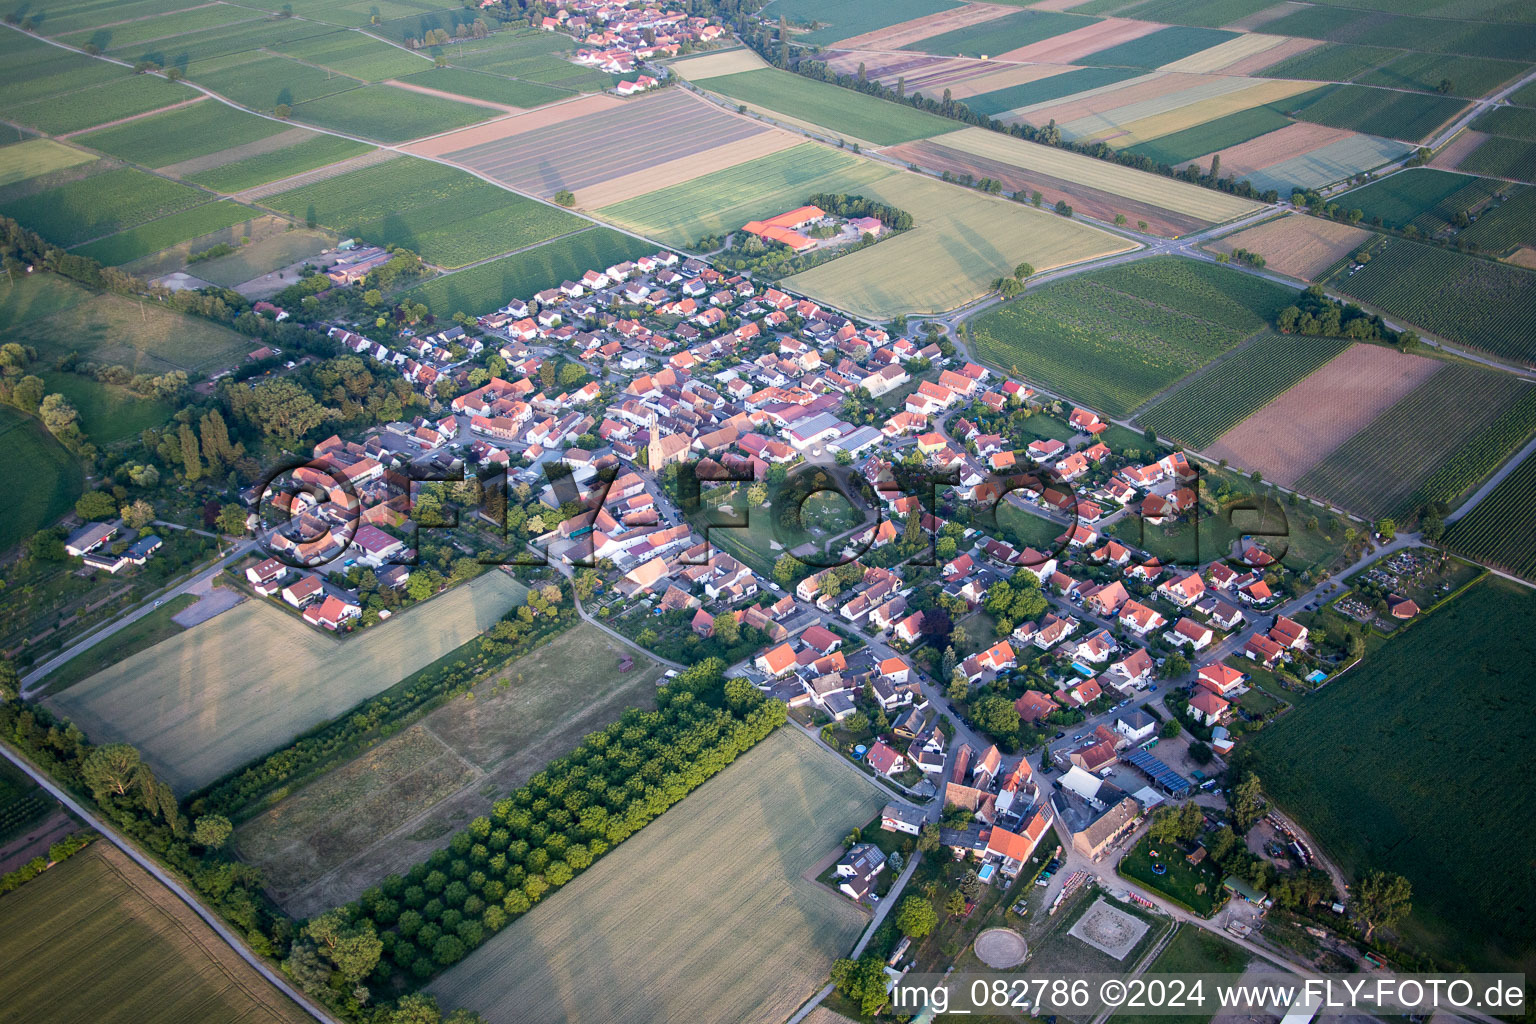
[[1160, 774]]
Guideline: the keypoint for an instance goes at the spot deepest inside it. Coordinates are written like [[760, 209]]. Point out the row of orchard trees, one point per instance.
[[581, 806]]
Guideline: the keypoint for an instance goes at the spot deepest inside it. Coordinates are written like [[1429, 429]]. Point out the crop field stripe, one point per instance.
[[91, 939], [1473, 302], [842, 19], [1141, 186], [315, 151], [1159, 48], [22, 160], [1399, 198], [1408, 117], [1507, 224], [101, 205], [1498, 531], [1000, 35], [388, 114], [1180, 147], [1211, 404], [1514, 122], [1068, 83], [1377, 469], [837, 110], [1503, 158], [45, 479], [1479, 457], [197, 130], [1114, 338]]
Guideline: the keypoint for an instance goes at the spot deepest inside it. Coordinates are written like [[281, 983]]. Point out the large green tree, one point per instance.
[[916, 917]]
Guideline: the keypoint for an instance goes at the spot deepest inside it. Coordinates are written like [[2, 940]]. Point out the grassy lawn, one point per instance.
[[1025, 529], [44, 479], [1348, 762], [141, 635], [1181, 883], [143, 336]]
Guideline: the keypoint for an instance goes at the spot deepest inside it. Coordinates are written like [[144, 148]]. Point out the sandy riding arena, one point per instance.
[[1001, 947]]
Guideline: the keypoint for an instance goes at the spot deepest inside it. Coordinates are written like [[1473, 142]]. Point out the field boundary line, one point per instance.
[[130, 117], [459, 97], [146, 17], [168, 881]]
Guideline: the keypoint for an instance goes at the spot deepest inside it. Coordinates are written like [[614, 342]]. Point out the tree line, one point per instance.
[[537, 839]]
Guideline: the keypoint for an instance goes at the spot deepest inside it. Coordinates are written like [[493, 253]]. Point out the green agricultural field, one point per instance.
[[1381, 467], [161, 26], [1468, 76], [356, 54], [126, 246], [1514, 122], [187, 49], [1114, 338], [1043, 90], [105, 328], [388, 808], [1209, 13], [22, 160], [94, 938], [1399, 199], [1503, 158], [484, 288], [836, 110], [108, 413], [72, 16], [1396, 115], [733, 926], [840, 19], [181, 134], [250, 704], [1000, 35], [482, 86], [1475, 460], [99, 104], [389, 114], [45, 479], [1205, 408], [1471, 301], [1178, 148], [681, 214], [1333, 62], [1505, 224], [101, 205], [1161, 47], [264, 83], [447, 216], [1498, 530], [1349, 764], [318, 151]]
